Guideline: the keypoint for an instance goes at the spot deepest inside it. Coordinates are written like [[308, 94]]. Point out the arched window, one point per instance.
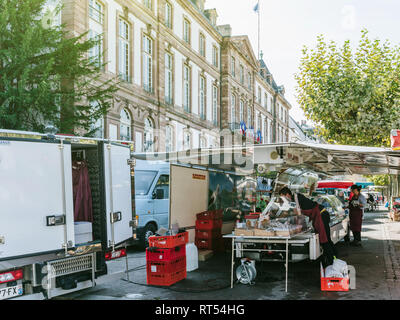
[[148, 135], [233, 110], [125, 126]]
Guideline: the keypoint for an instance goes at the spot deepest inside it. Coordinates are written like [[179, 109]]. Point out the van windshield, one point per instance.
[[143, 181]]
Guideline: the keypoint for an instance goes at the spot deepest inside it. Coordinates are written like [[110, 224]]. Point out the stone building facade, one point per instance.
[[167, 56], [180, 74], [252, 105]]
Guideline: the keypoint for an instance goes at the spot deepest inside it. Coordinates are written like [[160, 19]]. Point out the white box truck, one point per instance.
[[44, 252]]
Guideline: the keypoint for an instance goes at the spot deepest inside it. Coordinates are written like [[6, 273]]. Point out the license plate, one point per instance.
[[10, 292]]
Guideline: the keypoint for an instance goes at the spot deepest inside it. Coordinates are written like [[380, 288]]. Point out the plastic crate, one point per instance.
[[169, 242], [210, 215], [159, 254], [208, 234], [209, 244], [162, 267], [167, 279], [334, 284], [208, 224]]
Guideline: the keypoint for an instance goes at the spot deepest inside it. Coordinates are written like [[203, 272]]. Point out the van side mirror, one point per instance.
[[158, 194]]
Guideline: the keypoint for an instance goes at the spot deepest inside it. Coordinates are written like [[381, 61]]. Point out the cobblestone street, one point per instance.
[[376, 264]]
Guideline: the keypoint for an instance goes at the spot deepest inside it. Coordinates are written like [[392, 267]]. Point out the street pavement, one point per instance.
[[377, 265]]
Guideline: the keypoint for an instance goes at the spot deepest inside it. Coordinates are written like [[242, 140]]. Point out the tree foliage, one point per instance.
[[352, 95], [46, 76], [382, 180]]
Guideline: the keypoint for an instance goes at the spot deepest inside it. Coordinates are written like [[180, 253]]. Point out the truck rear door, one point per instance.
[[118, 193], [35, 190]]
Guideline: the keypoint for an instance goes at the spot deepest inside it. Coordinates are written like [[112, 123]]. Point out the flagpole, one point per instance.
[[259, 29]]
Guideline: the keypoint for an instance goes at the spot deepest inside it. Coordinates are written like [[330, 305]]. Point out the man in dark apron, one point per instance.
[[356, 208], [315, 212]]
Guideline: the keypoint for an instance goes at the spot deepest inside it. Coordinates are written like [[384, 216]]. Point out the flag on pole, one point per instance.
[[257, 7]]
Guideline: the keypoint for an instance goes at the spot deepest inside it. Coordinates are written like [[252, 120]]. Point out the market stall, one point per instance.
[[297, 165]]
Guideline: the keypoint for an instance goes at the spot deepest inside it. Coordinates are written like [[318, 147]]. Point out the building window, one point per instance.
[[259, 122], [97, 128], [168, 78], [215, 105], [186, 88], [186, 31], [187, 140], [215, 56], [259, 95], [249, 117], [169, 139], [233, 67], [123, 49], [265, 138], [147, 3], [249, 80], [266, 101], [202, 97], [96, 11], [241, 111], [271, 103], [168, 15], [233, 110], [148, 64], [96, 14], [148, 135], [241, 74], [125, 126], [203, 142], [202, 45]]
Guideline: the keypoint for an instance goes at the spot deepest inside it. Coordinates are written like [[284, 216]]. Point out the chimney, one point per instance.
[[199, 4], [212, 15], [225, 30]]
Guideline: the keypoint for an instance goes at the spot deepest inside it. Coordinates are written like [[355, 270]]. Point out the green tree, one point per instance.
[[382, 180], [352, 95], [46, 75]]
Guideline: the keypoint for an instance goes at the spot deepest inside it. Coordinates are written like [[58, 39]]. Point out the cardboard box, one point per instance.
[[264, 233], [283, 233], [244, 232]]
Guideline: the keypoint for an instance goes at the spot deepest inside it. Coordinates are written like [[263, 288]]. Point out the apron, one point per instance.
[[316, 219], [355, 215]]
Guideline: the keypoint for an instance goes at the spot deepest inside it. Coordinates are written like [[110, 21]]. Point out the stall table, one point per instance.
[[301, 238]]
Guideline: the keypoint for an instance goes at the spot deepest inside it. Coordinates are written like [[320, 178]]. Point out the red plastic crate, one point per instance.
[[210, 215], [167, 279], [162, 267], [169, 242], [209, 244], [208, 224], [335, 284], [208, 234], [157, 254]]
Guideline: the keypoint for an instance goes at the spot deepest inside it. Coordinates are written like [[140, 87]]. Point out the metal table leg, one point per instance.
[[233, 260], [287, 264]]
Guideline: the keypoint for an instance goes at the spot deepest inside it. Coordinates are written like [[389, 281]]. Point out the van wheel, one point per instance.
[[149, 231]]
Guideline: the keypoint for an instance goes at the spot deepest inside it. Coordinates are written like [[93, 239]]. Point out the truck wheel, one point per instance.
[[149, 231]]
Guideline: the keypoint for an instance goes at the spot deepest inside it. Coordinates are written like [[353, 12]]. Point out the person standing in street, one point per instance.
[[356, 208]]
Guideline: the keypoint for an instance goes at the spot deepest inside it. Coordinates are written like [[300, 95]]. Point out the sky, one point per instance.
[[289, 25]]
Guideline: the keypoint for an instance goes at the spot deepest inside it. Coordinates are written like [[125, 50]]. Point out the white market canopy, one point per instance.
[[327, 159]]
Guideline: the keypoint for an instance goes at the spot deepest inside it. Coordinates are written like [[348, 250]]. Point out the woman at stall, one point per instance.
[[356, 208], [313, 210]]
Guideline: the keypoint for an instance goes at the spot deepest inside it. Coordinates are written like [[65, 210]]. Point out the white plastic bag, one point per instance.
[[330, 272], [340, 266]]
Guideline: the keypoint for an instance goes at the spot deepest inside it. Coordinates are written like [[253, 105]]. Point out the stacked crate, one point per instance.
[[208, 230], [166, 259]]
